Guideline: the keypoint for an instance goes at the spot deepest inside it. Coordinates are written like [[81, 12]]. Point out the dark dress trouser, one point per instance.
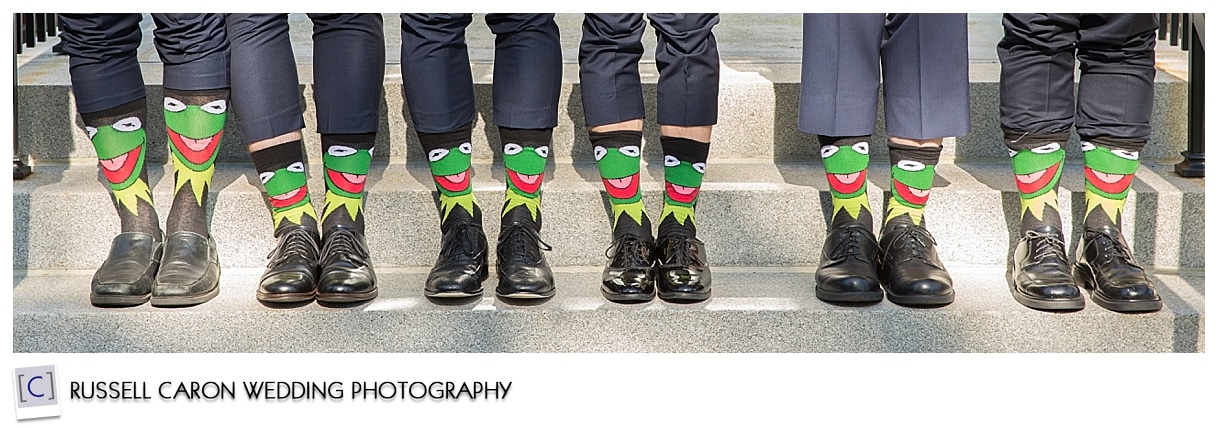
[[923, 58], [1116, 53], [348, 74], [104, 68], [439, 85], [687, 57]]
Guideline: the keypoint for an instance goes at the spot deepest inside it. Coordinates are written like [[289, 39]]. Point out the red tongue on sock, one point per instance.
[[455, 182], [196, 151], [118, 169], [622, 188]]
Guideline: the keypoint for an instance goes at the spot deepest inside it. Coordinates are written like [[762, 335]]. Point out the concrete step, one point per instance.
[[754, 309], [750, 213]]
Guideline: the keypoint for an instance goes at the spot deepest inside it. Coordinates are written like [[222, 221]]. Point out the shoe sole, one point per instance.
[[281, 298], [346, 297], [180, 301], [616, 297], [118, 300], [876, 296], [919, 300], [452, 294], [524, 295], [684, 297], [1086, 277], [1041, 304]]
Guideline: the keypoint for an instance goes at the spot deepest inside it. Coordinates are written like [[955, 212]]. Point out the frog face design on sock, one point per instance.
[[195, 131], [1037, 170], [450, 168], [619, 168], [1109, 172], [286, 187], [682, 181], [911, 182], [525, 168], [346, 170], [846, 169], [120, 150]]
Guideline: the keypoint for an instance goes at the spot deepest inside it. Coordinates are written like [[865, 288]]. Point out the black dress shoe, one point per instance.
[[847, 266], [190, 271], [291, 275], [126, 277], [1040, 276], [346, 268], [682, 273], [1106, 268], [627, 276], [523, 272], [461, 266], [910, 270]]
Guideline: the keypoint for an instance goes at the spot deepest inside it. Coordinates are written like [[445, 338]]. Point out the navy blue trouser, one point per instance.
[[686, 55], [348, 74], [923, 58], [104, 68], [440, 87], [1116, 56]]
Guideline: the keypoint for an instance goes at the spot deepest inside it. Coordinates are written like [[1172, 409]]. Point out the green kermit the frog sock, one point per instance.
[[525, 153], [281, 168], [1037, 162], [346, 158], [120, 141], [846, 160], [1109, 165], [449, 155], [684, 166], [913, 172], [194, 120], [617, 156]]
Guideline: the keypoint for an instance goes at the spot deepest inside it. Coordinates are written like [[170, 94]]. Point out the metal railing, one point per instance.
[[30, 29], [1187, 30]]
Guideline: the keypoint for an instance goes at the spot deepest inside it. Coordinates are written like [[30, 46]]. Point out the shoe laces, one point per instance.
[[465, 239], [296, 243], [521, 242], [1047, 245], [680, 251], [1105, 240], [852, 245], [342, 242], [912, 242], [633, 250]]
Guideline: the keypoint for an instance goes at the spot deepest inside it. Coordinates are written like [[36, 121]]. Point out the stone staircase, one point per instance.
[[762, 214]]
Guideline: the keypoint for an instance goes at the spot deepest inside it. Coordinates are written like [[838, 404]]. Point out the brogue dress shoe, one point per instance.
[[461, 266], [910, 271], [1105, 267], [1040, 274], [522, 269], [190, 271], [627, 275], [847, 266], [682, 273], [125, 278], [346, 268], [291, 274]]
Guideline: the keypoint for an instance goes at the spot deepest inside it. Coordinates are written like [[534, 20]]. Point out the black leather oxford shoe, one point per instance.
[[190, 271], [682, 272], [628, 274], [847, 266], [126, 276], [461, 266], [291, 274], [1105, 267], [1040, 274], [346, 268], [522, 269], [910, 270]]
